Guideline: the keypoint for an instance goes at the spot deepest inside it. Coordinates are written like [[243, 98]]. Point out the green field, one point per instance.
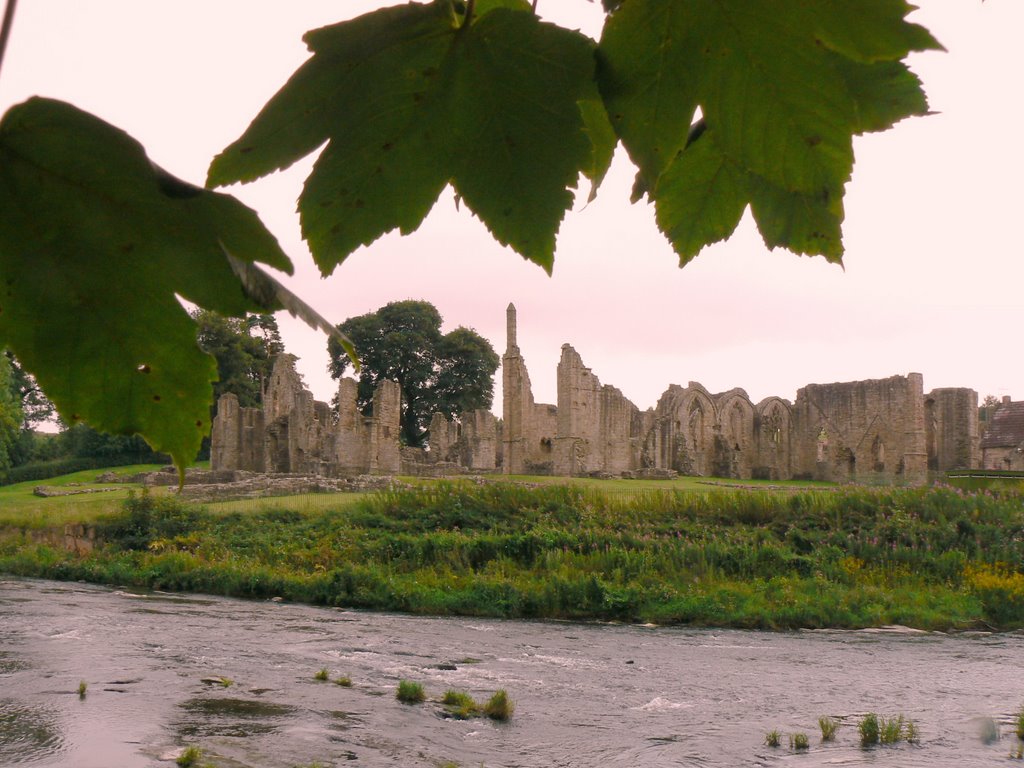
[[687, 551]]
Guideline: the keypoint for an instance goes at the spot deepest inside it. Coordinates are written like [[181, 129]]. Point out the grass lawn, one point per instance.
[[20, 508]]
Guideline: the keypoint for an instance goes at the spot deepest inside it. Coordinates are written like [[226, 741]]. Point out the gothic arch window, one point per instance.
[[878, 453]]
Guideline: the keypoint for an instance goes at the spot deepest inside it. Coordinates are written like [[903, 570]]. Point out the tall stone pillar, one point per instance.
[[915, 456]]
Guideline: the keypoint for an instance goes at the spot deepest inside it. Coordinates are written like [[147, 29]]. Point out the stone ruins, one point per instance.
[[867, 431]]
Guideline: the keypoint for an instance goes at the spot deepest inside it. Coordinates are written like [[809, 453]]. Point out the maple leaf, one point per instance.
[[412, 98], [96, 244], [779, 89]]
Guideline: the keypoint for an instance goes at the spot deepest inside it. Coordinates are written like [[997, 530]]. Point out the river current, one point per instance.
[[585, 694]]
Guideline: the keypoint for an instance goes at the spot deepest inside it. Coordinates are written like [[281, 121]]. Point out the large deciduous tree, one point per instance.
[[438, 373], [244, 349]]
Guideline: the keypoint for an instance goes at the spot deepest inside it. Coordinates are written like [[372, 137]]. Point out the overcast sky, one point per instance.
[[934, 274]]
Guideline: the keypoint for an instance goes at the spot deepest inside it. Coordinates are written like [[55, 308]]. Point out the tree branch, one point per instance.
[[5, 30]]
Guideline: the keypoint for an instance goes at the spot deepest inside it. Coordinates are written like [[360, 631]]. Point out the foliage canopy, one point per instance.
[[449, 374], [721, 104]]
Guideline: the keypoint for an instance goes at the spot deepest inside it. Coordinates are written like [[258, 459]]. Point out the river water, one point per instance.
[[585, 694]]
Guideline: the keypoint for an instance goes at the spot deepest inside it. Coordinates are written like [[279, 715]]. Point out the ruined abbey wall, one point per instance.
[[865, 431], [293, 433], [874, 430]]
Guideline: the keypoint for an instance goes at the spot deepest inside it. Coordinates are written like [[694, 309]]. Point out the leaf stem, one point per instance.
[[470, 6], [5, 29]]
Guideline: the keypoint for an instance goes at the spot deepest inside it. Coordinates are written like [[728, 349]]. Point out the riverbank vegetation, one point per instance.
[[813, 558]]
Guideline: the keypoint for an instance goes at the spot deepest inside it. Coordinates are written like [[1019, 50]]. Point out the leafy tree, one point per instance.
[[721, 104], [83, 442], [244, 349], [36, 407], [10, 415], [402, 341]]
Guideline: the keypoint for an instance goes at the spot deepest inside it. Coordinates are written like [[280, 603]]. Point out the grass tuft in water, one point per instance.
[[1019, 724], [82, 688], [499, 706], [773, 738], [799, 741], [828, 727], [409, 692], [868, 728], [322, 675], [460, 705], [189, 757], [890, 730], [344, 681]]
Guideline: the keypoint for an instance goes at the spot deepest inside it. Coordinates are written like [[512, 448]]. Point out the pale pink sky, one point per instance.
[[934, 278]]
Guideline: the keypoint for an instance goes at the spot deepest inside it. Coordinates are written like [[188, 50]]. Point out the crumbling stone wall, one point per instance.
[[864, 430], [529, 428], [871, 429], [597, 427], [295, 434], [951, 429]]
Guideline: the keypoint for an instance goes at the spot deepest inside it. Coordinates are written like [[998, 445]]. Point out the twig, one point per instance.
[[5, 30], [535, 6]]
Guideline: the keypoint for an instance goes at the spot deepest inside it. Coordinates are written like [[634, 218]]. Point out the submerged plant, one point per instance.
[[409, 692], [189, 757], [82, 688], [499, 706], [773, 738], [868, 728], [322, 675], [828, 727], [911, 733]]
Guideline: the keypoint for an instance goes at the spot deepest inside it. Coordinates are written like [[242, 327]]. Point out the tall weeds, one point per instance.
[[935, 558]]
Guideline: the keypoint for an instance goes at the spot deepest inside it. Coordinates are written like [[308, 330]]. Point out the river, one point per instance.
[[585, 694]]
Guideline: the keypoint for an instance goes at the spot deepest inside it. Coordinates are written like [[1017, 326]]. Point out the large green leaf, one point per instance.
[[781, 88], [96, 246], [410, 99]]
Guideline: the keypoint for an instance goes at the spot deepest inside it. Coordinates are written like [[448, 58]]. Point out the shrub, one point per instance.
[[409, 692], [828, 727], [868, 728], [499, 706], [773, 738]]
